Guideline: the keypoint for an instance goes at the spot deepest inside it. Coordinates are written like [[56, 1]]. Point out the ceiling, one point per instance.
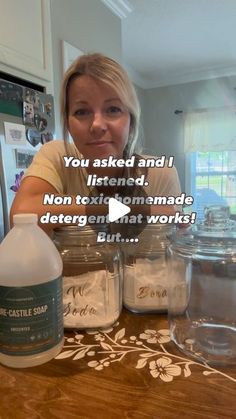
[[167, 42]]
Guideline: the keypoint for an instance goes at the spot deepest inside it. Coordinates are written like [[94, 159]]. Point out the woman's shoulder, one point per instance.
[[56, 150], [60, 148]]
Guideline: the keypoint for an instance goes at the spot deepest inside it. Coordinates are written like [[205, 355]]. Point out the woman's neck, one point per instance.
[[108, 172]]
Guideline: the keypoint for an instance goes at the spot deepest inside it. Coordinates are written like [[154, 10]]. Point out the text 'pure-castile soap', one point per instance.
[[31, 308]]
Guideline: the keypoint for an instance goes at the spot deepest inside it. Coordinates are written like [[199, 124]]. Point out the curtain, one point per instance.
[[210, 130]]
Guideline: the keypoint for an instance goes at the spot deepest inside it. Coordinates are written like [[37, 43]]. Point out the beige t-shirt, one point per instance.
[[48, 164]]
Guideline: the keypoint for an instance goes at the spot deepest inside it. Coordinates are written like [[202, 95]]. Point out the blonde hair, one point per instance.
[[110, 72]]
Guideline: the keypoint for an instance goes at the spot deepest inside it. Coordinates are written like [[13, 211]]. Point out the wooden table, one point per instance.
[[129, 371]]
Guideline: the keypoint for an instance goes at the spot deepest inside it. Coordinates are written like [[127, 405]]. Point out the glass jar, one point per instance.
[[92, 277], [202, 288], [145, 269]]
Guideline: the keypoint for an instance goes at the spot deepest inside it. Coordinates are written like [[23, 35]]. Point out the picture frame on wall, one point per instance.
[[69, 54]]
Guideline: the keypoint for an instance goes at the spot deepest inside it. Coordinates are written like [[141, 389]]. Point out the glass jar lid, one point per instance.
[[75, 230], [76, 234], [217, 223], [216, 234]]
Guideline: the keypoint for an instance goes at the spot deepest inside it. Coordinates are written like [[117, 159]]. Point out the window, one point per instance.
[[210, 146], [213, 179]]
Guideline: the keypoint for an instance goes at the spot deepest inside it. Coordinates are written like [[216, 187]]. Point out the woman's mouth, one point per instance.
[[99, 143]]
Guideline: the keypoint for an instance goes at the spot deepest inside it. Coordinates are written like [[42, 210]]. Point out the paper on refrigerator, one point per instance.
[[14, 133]]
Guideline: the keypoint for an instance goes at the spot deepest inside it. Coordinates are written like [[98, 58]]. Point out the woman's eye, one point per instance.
[[82, 112], [114, 110]]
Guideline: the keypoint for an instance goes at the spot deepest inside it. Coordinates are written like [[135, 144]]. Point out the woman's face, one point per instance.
[[98, 121]]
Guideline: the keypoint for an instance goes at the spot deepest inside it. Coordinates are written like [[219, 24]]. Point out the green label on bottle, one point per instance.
[[31, 318]]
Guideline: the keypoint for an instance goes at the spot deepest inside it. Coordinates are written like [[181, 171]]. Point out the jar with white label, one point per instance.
[[92, 277], [145, 268]]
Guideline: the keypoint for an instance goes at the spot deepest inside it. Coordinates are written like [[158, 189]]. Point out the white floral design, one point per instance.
[[98, 365], [99, 337], [107, 348], [154, 336], [164, 369]]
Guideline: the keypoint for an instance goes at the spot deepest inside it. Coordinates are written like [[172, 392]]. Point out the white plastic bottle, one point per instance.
[[31, 308]]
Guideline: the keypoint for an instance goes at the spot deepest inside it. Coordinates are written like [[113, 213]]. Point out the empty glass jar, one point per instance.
[[145, 269], [92, 277], [202, 288]]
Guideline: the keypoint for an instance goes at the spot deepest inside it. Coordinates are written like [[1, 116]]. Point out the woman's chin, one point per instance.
[[103, 153]]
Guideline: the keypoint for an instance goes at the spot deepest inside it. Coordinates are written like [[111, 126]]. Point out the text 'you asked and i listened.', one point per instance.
[[128, 199]]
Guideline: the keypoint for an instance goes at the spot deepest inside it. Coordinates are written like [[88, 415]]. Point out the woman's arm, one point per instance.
[[29, 199]]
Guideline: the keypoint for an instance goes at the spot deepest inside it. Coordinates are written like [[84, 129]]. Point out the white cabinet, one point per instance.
[[25, 38]]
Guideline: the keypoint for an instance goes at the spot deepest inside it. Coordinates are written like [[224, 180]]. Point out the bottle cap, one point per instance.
[[25, 218]]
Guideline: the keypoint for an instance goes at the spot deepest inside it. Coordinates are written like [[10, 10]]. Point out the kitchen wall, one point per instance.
[[87, 25], [164, 129]]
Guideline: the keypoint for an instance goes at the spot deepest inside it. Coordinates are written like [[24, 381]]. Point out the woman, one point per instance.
[[100, 110]]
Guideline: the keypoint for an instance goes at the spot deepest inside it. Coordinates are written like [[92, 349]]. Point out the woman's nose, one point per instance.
[[99, 124]]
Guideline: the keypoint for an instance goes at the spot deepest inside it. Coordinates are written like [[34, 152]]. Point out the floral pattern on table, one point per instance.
[[112, 346]]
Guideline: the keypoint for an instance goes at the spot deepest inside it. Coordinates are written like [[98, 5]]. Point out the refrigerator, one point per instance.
[[26, 122]]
